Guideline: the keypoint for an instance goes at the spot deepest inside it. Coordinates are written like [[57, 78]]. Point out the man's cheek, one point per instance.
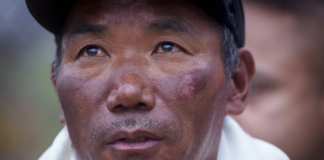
[[78, 96], [192, 83], [181, 91]]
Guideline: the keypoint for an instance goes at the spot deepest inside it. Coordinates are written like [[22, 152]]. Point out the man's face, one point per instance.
[[142, 80], [283, 108]]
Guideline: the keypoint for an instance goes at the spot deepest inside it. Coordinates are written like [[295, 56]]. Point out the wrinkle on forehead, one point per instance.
[[132, 12], [113, 8], [130, 9], [139, 14]]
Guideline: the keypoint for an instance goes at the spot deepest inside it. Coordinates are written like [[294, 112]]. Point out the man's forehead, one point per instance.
[[128, 6], [52, 14], [89, 16], [132, 9]]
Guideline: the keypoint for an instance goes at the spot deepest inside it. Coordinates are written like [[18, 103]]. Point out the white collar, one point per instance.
[[236, 144]]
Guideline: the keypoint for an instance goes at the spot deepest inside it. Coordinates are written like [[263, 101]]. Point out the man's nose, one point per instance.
[[131, 94]]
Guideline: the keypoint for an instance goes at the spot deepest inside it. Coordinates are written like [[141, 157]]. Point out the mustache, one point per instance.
[[165, 128]]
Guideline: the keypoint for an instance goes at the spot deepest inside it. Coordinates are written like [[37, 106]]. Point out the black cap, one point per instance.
[[51, 14]]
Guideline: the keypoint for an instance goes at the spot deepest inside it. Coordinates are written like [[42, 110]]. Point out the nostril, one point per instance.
[[119, 106], [141, 105], [129, 98]]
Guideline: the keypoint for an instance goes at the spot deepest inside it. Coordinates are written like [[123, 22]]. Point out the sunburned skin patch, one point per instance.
[[192, 83]]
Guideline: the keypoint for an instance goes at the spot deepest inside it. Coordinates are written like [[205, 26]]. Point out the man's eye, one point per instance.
[[93, 51], [168, 47]]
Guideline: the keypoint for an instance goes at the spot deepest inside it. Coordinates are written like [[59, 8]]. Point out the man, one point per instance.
[[150, 79], [286, 103]]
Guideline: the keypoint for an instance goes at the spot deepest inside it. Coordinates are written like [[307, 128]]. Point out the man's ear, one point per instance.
[[53, 78], [62, 118], [239, 84]]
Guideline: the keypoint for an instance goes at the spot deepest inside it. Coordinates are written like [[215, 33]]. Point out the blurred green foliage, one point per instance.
[[29, 108]]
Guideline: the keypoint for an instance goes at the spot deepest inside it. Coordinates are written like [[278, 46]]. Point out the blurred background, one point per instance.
[[29, 109], [286, 102]]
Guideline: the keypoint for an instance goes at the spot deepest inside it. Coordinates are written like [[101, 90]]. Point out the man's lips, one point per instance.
[[132, 137], [137, 141]]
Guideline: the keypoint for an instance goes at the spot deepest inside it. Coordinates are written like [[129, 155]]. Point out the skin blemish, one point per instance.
[[193, 82]]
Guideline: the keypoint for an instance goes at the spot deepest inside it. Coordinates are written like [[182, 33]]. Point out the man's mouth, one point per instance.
[[130, 142], [135, 140]]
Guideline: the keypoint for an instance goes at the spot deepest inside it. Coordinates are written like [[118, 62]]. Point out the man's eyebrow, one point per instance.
[[84, 27], [173, 24]]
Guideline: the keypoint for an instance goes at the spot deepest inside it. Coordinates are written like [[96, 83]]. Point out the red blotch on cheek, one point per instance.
[[193, 83]]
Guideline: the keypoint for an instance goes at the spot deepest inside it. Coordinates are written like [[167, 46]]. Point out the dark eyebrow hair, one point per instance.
[[85, 27], [173, 24]]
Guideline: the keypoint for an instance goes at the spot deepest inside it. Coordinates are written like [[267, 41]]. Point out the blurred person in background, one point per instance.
[[286, 107]]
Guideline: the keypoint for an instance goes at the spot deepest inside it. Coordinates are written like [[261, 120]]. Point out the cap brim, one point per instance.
[[51, 14]]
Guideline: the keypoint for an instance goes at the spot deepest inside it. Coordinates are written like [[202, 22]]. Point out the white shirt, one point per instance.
[[235, 144]]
